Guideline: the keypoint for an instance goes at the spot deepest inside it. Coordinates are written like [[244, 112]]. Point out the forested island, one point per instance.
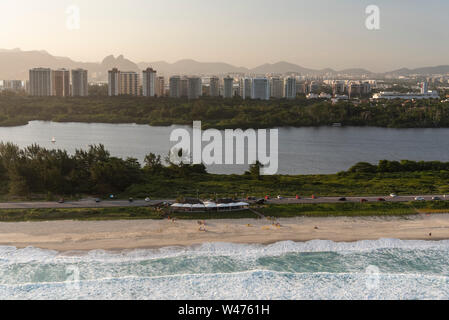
[[221, 113]]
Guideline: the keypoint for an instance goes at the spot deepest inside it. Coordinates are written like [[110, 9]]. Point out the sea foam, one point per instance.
[[283, 270]]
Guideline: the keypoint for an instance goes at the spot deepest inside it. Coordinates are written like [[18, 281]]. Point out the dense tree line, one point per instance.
[[223, 113], [38, 171], [35, 170], [386, 166]]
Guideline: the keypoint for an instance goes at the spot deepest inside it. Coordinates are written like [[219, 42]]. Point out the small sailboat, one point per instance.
[[53, 140]]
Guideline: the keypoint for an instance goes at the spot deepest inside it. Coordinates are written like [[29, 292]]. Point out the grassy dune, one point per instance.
[[277, 211]]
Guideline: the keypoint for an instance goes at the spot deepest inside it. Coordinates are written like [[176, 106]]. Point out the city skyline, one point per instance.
[[316, 35]]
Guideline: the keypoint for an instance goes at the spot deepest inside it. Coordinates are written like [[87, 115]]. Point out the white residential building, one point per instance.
[[175, 87], [277, 88], [149, 82], [80, 85], [406, 96], [290, 88], [246, 85], [114, 82], [195, 88], [160, 86], [228, 85], [129, 83], [40, 82], [260, 89]]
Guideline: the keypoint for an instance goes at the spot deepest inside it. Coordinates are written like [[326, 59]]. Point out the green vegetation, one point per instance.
[[339, 209], [37, 173], [222, 113], [19, 215], [272, 210]]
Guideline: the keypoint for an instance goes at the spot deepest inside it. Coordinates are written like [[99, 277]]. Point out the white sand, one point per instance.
[[116, 235]]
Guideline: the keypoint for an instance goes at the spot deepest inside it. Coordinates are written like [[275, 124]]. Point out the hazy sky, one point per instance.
[[312, 33]]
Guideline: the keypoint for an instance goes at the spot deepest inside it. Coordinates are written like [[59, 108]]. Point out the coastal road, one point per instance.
[[82, 204], [90, 203], [354, 199]]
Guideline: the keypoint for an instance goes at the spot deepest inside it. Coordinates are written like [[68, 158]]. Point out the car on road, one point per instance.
[[97, 200], [342, 199], [363, 200], [280, 197], [261, 201], [436, 199], [61, 200], [131, 200], [419, 199], [393, 195], [381, 200], [147, 199], [251, 198]]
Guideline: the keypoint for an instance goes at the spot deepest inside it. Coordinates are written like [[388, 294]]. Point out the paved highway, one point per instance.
[[355, 199], [90, 203]]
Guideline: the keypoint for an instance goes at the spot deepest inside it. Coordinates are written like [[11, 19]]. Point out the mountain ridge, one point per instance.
[[15, 64]]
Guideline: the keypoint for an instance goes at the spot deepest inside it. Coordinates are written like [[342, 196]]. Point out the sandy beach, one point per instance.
[[119, 235]]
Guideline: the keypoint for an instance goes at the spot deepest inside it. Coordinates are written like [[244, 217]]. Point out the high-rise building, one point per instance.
[[40, 82], [246, 85], [366, 88], [277, 87], [80, 86], [290, 88], [114, 81], [61, 83], [184, 87], [261, 89], [424, 87], [160, 86], [12, 85], [214, 87], [129, 83], [175, 87], [354, 89], [149, 82], [195, 88], [338, 87], [228, 87]]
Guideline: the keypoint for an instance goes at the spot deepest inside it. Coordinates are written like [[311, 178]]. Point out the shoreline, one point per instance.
[[124, 235]]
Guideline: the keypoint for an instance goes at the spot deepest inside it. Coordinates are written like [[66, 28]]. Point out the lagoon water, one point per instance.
[[301, 150], [382, 269]]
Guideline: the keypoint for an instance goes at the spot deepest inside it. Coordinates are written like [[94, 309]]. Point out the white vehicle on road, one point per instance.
[[393, 195]]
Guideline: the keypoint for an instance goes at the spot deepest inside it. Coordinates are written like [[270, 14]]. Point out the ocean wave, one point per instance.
[[10, 254], [255, 284]]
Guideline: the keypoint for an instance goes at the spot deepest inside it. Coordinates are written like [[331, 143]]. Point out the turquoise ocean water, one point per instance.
[[382, 269]]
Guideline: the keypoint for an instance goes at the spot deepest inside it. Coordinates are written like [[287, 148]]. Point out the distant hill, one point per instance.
[[188, 66], [15, 64], [421, 71], [281, 67]]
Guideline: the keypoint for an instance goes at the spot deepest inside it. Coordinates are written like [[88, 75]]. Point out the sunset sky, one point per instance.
[[314, 34]]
